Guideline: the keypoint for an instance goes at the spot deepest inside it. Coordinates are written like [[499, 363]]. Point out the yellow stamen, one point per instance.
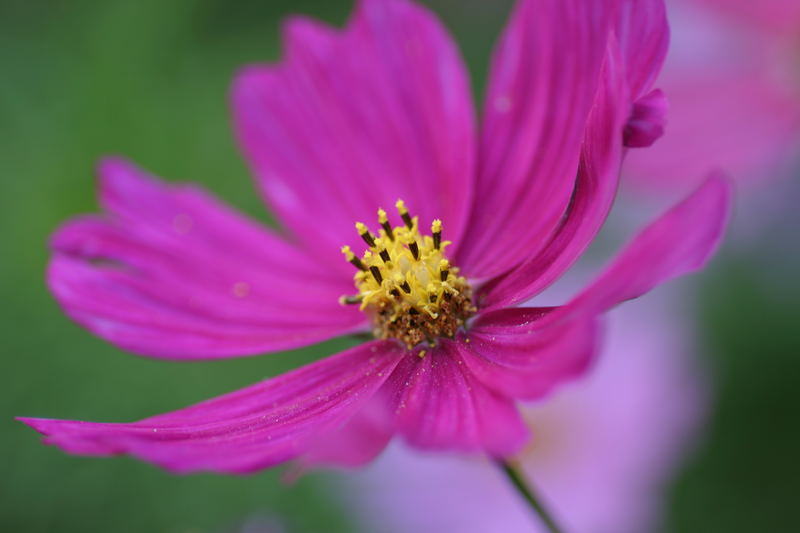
[[444, 269], [351, 258], [365, 234], [348, 253], [406, 283], [401, 208], [436, 231], [383, 220]]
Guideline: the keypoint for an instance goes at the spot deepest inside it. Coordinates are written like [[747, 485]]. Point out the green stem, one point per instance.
[[526, 490]]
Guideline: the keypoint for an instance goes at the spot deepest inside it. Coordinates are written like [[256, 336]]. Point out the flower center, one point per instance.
[[406, 284]]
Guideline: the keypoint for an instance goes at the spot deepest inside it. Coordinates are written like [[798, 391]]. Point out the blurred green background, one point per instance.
[[149, 79]]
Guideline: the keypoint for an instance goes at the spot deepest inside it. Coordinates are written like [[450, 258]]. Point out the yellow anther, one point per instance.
[[348, 253], [361, 228], [351, 257], [365, 234], [436, 230], [384, 222], [444, 270], [401, 208]]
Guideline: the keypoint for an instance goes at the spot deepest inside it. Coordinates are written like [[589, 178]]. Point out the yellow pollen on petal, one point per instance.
[[406, 284], [240, 289]]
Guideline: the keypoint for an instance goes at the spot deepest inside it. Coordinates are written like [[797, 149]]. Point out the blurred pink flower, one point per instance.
[[733, 85], [604, 448], [350, 121]]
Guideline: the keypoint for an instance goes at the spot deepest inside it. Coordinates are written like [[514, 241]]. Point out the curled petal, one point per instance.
[[244, 431], [544, 77], [680, 241], [596, 187], [647, 121], [643, 35]]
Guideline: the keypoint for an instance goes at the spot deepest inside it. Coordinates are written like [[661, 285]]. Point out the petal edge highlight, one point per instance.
[[243, 431]]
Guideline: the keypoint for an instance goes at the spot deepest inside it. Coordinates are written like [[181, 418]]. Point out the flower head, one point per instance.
[[348, 123], [404, 281]]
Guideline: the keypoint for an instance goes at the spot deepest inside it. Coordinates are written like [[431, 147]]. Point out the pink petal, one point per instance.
[[171, 272], [354, 444], [354, 119], [737, 121], [781, 16], [441, 405], [643, 33], [602, 448], [510, 353], [598, 176], [680, 241], [244, 431], [544, 76]]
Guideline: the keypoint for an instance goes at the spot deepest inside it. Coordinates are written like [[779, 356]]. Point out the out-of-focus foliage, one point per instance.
[[743, 477], [149, 79]]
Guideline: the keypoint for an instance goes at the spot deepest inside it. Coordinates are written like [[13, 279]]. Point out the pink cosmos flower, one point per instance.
[[350, 121], [734, 94], [606, 447]]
